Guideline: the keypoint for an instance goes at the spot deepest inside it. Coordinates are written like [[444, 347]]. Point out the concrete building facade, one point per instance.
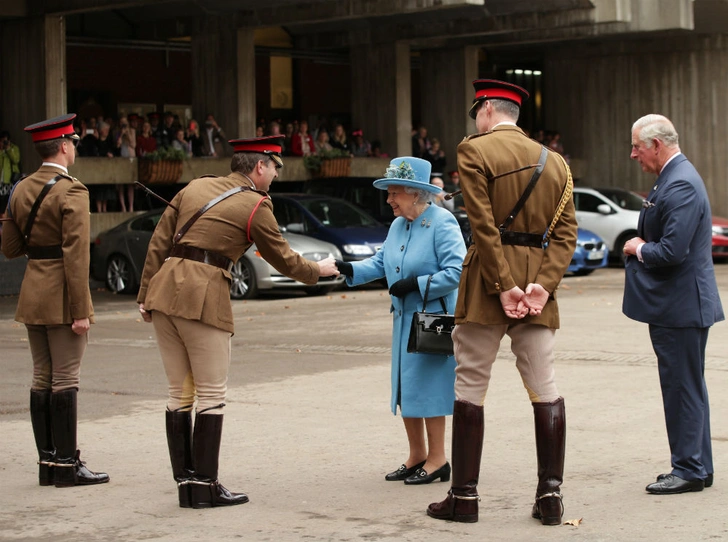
[[601, 64]]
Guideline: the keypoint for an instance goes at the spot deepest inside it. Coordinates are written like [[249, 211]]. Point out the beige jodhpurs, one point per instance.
[[57, 353], [476, 347], [196, 358]]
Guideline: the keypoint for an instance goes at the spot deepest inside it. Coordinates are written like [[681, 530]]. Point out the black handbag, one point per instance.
[[431, 333]]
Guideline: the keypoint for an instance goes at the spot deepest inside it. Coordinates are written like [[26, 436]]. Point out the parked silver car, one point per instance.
[[611, 213], [118, 260]]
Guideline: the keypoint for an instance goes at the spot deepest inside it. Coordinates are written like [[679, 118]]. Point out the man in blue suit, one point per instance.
[[670, 285]]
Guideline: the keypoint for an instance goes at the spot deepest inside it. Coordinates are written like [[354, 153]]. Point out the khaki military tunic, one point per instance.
[[53, 291], [199, 291], [490, 267]]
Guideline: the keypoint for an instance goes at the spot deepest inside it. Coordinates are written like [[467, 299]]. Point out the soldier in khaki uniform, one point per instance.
[[508, 287], [185, 292], [50, 225]]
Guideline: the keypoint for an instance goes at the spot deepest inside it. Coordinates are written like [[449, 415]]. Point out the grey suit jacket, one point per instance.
[[675, 284]]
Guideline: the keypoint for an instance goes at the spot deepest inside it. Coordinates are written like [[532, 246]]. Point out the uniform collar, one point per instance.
[[244, 179], [64, 169]]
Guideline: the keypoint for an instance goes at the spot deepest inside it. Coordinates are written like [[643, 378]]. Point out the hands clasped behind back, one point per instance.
[[518, 304]]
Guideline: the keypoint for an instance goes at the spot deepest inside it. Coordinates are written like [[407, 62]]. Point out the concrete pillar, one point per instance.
[[246, 84], [447, 94], [223, 75], [381, 95], [32, 78]]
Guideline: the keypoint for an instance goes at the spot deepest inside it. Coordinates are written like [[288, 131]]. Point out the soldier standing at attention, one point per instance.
[[518, 196], [185, 293], [50, 225]]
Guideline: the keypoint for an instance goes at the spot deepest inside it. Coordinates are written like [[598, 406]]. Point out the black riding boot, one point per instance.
[[69, 470], [461, 503], [179, 441], [207, 491], [550, 421], [40, 418]]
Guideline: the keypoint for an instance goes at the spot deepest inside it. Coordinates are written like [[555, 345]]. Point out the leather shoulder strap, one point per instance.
[[36, 205], [202, 210], [527, 192]]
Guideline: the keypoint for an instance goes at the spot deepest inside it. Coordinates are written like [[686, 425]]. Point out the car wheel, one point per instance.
[[244, 284], [583, 272], [120, 277], [320, 290], [619, 254]]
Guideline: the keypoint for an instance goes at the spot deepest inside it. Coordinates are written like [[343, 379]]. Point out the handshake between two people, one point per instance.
[[327, 267], [519, 304]]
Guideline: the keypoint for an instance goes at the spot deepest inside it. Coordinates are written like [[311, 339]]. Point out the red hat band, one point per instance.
[[256, 147], [53, 133], [498, 93]]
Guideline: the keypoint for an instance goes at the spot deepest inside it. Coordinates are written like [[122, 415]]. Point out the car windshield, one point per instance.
[[623, 198], [337, 214], [146, 223]]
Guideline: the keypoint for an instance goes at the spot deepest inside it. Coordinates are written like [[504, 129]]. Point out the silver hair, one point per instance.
[[506, 107], [245, 162], [656, 127], [422, 195]]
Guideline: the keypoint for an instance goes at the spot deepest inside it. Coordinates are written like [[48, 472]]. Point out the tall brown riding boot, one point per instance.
[[461, 503], [40, 418], [207, 491], [179, 442], [68, 469], [550, 421]]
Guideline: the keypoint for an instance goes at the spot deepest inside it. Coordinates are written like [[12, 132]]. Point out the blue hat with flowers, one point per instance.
[[408, 171]]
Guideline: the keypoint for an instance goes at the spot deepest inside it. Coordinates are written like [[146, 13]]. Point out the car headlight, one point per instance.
[[720, 230], [358, 250]]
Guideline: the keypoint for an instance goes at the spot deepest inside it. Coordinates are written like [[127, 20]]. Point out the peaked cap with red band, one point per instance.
[[269, 145], [487, 89], [54, 128]]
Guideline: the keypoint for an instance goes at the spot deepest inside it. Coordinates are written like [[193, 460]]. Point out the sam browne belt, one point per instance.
[[199, 255], [54, 252]]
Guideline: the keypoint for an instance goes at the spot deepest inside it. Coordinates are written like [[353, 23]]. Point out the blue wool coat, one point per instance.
[[423, 385]]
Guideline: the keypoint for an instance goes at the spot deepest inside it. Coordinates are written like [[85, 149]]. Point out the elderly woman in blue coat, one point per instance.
[[423, 241]]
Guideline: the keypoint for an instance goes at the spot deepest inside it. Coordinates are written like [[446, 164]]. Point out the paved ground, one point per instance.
[[308, 434]]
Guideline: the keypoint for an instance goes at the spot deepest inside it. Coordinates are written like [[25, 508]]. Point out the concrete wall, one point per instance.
[[594, 93]]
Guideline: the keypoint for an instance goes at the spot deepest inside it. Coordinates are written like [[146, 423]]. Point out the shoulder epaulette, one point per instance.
[[261, 192], [66, 176], [473, 136]]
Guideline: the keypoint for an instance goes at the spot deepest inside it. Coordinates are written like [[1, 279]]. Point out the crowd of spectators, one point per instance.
[[552, 140], [429, 149], [136, 135], [301, 141]]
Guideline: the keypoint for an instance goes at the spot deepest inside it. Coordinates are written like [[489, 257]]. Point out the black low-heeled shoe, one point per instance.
[[402, 472], [421, 476]]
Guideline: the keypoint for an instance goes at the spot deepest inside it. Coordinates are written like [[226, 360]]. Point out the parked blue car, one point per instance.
[[591, 253], [357, 234]]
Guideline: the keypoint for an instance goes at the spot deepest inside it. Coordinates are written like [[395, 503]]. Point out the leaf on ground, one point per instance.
[[574, 522]]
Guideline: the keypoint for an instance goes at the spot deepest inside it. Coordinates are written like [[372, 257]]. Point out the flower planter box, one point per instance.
[[160, 171], [335, 167]]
